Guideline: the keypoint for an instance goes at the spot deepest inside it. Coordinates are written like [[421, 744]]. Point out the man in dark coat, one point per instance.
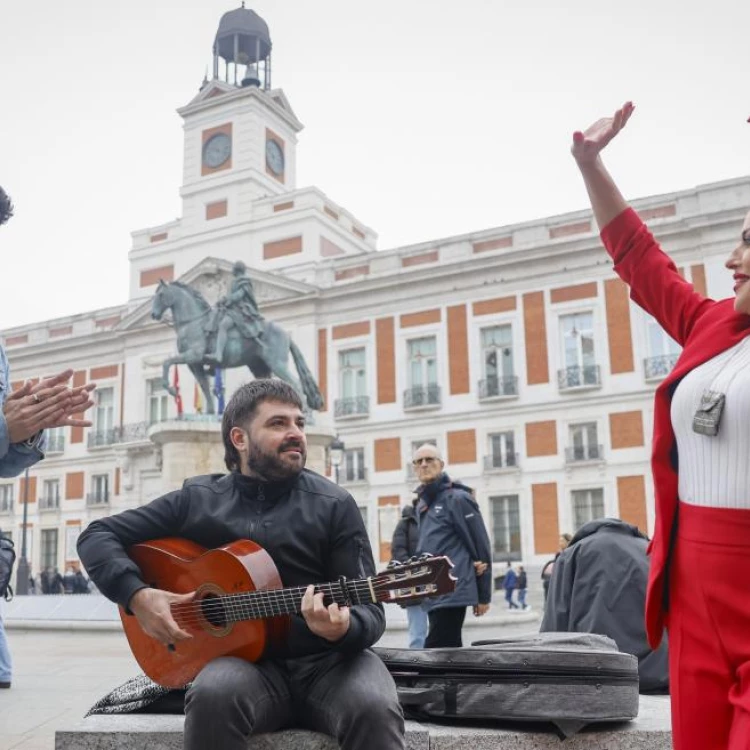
[[599, 586], [450, 524], [404, 546]]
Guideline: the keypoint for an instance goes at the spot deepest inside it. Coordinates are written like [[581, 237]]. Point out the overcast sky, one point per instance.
[[425, 118]]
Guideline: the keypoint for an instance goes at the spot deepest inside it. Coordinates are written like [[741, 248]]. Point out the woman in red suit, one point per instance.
[[699, 586]]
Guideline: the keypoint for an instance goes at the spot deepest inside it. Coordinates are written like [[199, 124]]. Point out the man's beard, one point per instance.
[[271, 465]]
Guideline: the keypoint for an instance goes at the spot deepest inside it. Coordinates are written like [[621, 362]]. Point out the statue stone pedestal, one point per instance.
[[190, 448]]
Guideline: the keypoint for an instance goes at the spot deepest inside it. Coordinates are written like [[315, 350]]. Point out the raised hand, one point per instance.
[[587, 145]]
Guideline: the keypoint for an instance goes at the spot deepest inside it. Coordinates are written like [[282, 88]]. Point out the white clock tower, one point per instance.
[[240, 199], [240, 134]]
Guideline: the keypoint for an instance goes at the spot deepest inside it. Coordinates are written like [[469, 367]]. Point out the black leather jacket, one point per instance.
[[312, 529]]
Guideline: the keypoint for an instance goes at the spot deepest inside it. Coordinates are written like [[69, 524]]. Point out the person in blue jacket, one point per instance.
[[450, 524]]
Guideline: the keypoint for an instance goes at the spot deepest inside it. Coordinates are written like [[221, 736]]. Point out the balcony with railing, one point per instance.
[[127, 433], [349, 408], [422, 397], [657, 368], [498, 387], [501, 462], [97, 499], [579, 378], [582, 453], [49, 503], [6, 507], [55, 444], [358, 476]]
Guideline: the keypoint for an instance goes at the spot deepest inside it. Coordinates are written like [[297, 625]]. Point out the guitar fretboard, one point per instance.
[[258, 605]]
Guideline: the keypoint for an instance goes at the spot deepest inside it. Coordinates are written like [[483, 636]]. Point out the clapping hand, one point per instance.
[[588, 144], [44, 405]]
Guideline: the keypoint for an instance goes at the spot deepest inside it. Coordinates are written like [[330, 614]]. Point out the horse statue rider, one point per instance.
[[238, 309], [243, 337]]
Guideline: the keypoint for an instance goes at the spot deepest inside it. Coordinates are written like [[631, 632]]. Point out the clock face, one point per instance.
[[217, 150], [274, 157]]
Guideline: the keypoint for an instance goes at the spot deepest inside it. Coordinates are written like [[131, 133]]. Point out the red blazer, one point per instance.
[[704, 328]]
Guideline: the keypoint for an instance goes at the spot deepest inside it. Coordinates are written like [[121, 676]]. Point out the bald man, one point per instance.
[[450, 524]]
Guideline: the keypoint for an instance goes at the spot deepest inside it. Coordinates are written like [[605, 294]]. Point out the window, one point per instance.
[[506, 528], [352, 383], [50, 498], [104, 409], [72, 532], [497, 362], [354, 465], [55, 440], [158, 401], [353, 373], [502, 451], [363, 513], [49, 548], [423, 378], [663, 350], [99, 494], [587, 506], [6, 498], [584, 442], [579, 357]]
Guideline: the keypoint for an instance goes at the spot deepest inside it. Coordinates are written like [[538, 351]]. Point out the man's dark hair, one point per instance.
[[6, 207], [242, 407]]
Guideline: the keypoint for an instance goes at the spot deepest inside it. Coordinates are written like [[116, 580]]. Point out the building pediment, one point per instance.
[[212, 277]]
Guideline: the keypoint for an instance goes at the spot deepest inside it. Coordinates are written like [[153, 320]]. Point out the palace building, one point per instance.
[[516, 350]]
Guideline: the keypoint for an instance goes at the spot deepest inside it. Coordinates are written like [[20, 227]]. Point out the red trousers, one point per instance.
[[709, 630]]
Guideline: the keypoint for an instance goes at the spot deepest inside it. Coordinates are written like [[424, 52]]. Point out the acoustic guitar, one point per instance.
[[240, 607]]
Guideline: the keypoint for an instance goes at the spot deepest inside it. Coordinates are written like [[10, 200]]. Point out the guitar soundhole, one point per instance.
[[213, 610]]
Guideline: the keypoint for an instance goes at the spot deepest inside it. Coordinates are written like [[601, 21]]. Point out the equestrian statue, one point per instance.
[[232, 334]]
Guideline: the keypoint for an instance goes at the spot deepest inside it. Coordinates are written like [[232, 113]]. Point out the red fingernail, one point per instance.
[[578, 136]]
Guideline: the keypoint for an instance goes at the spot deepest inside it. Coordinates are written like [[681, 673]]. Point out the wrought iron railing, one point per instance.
[[49, 503], [659, 367], [353, 477], [359, 406], [584, 453], [498, 461], [579, 377], [94, 499], [6, 506], [494, 387], [420, 396]]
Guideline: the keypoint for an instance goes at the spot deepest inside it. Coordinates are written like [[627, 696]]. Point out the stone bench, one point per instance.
[[650, 731]]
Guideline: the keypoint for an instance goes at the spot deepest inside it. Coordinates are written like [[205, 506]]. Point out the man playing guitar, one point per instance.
[[323, 677]]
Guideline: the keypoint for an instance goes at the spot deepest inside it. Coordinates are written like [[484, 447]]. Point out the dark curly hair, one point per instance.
[[6, 207], [242, 407]]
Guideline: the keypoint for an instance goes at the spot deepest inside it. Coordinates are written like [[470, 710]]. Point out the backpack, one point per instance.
[[7, 558]]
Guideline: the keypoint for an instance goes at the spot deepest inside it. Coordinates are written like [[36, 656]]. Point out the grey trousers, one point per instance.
[[350, 697]]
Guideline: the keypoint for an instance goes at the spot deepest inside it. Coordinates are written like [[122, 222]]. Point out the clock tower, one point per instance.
[[240, 133]]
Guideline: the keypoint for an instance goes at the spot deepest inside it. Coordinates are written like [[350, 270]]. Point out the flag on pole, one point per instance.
[[219, 390], [197, 399], [176, 386]]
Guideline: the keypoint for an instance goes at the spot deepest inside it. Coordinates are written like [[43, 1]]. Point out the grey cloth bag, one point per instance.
[[566, 679]]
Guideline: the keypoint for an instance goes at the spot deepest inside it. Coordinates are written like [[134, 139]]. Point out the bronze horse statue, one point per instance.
[[192, 315]]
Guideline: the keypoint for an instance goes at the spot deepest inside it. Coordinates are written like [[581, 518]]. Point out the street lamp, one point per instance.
[[22, 572], [336, 453]]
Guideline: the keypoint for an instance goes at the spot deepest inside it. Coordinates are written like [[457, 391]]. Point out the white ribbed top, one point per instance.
[[715, 471]]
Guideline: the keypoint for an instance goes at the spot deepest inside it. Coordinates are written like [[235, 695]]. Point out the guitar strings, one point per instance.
[[258, 603], [284, 594]]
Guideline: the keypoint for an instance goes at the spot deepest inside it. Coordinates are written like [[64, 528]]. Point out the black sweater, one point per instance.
[[312, 529]]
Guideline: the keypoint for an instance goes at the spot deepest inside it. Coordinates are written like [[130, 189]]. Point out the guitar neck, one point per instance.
[[258, 605]]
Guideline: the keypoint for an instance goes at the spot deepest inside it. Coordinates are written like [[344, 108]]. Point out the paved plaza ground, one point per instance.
[[58, 675]]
